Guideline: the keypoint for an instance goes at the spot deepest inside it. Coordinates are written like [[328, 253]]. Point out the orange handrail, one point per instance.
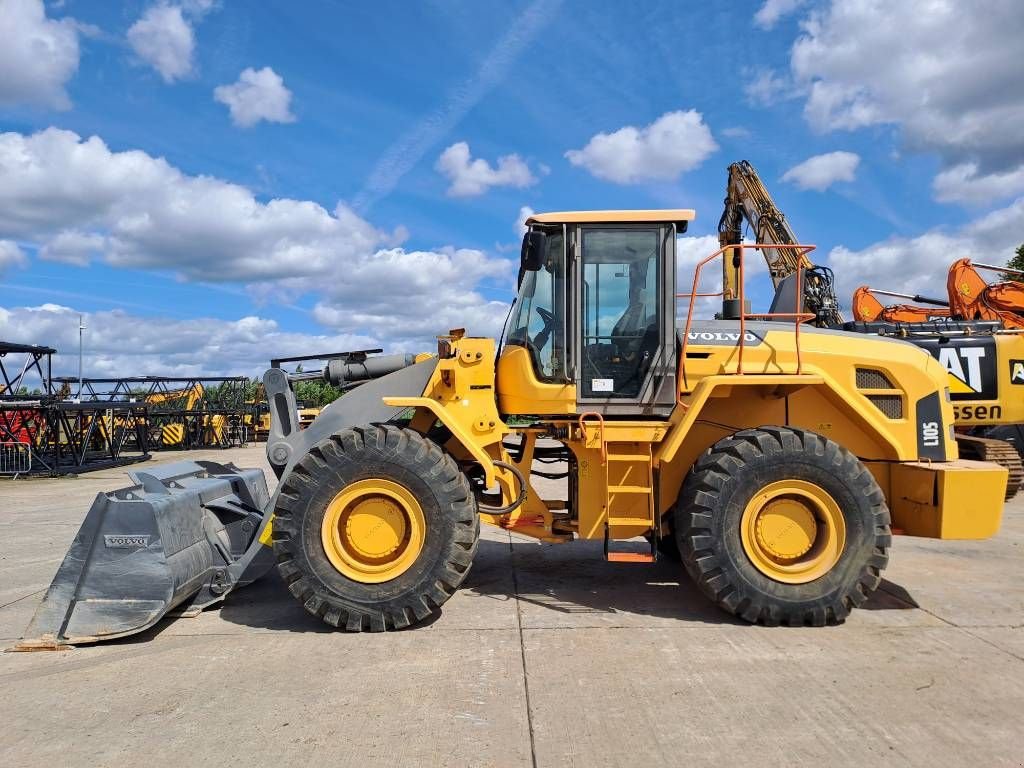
[[797, 316]]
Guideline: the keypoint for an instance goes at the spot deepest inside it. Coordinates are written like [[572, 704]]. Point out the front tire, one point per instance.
[[783, 526], [375, 528]]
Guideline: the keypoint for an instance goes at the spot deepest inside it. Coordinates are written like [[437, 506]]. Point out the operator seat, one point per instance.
[[628, 331], [634, 340]]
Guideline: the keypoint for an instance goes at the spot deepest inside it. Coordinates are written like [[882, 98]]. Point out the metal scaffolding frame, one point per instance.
[[18, 376], [184, 412], [42, 431]]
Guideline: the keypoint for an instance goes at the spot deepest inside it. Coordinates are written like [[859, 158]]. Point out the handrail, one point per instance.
[[582, 421], [796, 316]]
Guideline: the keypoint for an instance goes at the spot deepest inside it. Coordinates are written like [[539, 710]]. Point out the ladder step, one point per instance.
[[629, 557], [618, 522], [629, 489], [629, 457]]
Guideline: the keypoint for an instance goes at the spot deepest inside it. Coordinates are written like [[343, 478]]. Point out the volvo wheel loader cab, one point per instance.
[[593, 325], [775, 460]]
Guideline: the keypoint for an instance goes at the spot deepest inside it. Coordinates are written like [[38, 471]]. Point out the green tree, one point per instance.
[[315, 393], [1016, 262]]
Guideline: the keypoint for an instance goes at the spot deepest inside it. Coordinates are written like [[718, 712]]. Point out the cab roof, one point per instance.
[[670, 215]]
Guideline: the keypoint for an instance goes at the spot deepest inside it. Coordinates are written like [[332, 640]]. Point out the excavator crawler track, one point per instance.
[[998, 452]]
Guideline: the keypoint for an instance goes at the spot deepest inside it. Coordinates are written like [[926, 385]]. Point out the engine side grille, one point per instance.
[[868, 378], [890, 405]]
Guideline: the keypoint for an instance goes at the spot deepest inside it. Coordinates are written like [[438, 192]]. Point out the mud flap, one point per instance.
[[180, 539]]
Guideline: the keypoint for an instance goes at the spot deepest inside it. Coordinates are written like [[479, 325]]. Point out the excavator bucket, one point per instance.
[[965, 287], [866, 308], [181, 538]]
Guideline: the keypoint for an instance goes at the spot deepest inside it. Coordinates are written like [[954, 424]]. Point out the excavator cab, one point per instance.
[[592, 328]]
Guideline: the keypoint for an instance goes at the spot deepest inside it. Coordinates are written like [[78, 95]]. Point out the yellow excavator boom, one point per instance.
[[747, 199]]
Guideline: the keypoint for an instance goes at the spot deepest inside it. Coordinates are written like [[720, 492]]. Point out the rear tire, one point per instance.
[[434, 546], [751, 557]]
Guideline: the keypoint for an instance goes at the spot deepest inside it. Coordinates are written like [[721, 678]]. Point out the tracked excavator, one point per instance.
[[977, 333], [977, 355], [775, 458]]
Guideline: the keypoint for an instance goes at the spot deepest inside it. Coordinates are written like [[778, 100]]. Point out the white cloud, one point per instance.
[[736, 132], [413, 295], [769, 14], [73, 247], [768, 87], [164, 38], [822, 171], [963, 184], [10, 256], [154, 216], [38, 55], [257, 95], [919, 264], [525, 212], [674, 143], [472, 177], [76, 198], [690, 250], [947, 74], [119, 343]]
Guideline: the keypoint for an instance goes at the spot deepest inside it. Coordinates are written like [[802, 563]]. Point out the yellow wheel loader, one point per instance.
[[775, 459]]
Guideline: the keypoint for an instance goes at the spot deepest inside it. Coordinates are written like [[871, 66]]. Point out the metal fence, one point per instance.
[[15, 458]]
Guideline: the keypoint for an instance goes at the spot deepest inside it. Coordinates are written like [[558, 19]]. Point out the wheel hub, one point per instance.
[[375, 527], [786, 528], [793, 531], [373, 530]]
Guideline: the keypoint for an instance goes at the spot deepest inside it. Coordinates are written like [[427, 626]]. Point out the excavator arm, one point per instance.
[[747, 199], [868, 309]]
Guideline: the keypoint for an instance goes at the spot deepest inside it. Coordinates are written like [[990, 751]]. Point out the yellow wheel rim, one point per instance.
[[793, 531], [373, 531]]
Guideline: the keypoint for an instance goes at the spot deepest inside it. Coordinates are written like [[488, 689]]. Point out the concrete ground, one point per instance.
[[548, 656]]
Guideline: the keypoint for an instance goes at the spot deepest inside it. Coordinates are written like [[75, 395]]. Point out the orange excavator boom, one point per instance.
[[868, 309]]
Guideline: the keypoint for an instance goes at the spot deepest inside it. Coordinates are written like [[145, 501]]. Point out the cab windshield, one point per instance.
[[537, 321]]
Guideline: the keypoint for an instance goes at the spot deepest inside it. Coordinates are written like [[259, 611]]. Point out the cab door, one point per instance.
[[624, 324]]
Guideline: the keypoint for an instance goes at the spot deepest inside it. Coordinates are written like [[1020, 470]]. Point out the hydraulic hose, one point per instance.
[[519, 500]]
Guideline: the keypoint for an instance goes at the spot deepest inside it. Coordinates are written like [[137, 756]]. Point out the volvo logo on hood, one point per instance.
[[721, 338]]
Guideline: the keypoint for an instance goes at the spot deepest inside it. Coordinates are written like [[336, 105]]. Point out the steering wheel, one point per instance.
[[541, 338]]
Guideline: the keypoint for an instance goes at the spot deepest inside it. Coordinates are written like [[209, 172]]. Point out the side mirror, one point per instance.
[[531, 258], [534, 247]]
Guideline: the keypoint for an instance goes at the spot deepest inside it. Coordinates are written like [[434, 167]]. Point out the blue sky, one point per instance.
[[164, 228]]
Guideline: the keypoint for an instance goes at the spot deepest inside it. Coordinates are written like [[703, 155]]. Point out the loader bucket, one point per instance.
[[180, 539]]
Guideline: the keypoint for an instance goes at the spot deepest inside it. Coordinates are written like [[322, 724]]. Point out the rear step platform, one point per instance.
[[629, 551]]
